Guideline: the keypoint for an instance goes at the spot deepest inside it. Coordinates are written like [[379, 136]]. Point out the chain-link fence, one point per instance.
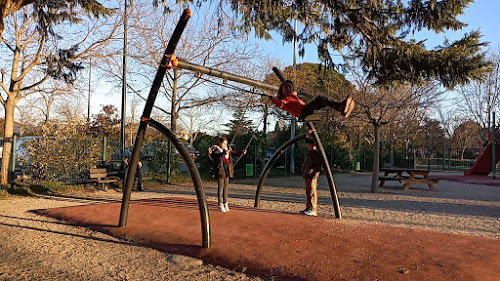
[[446, 159], [47, 160]]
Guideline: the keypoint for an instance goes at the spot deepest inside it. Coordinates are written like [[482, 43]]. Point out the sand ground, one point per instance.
[[34, 247]]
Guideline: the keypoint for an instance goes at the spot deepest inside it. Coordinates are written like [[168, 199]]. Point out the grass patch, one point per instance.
[[24, 189], [174, 179], [3, 193], [20, 190], [54, 186]]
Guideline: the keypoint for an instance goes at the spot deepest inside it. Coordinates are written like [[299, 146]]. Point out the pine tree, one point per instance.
[[52, 11], [373, 32], [240, 124]]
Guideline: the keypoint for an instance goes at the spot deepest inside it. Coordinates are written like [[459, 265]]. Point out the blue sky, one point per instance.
[[480, 15]]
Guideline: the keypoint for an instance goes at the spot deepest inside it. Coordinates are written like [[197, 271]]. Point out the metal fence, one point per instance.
[[43, 160], [446, 159], [68, 161]]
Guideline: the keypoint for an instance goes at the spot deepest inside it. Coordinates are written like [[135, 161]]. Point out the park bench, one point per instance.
[[104, 177], [430, 182], [383, 179], [410, 176]]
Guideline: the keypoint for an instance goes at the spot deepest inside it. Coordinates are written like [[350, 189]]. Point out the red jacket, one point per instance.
[[290, 103]]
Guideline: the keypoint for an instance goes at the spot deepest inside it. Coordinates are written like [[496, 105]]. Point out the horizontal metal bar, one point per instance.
[[225, 75]]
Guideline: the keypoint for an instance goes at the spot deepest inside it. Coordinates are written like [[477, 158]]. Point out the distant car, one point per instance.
[[269, 153]]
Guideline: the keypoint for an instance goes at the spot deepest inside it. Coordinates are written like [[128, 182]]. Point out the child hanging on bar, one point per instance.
[[289, 101]]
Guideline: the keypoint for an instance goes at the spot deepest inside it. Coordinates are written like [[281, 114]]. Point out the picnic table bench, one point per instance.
[[407, 176], [104, 176]]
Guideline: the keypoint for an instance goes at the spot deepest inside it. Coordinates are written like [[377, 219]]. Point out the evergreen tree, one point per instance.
[[50, 12], [240, 124], [373, 32]]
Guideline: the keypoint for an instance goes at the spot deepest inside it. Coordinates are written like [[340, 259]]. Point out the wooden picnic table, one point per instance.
[[407, 176]]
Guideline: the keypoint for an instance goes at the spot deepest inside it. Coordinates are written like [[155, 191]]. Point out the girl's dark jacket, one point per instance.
[[221, 168]]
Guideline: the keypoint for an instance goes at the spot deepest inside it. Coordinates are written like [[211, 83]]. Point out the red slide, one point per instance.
[[484, 163]]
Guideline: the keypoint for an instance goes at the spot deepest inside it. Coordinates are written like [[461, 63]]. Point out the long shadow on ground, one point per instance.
[[294, 247]]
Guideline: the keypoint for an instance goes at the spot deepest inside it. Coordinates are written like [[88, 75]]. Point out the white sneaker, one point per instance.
[[222, 208], [226, 206], [310, 213]]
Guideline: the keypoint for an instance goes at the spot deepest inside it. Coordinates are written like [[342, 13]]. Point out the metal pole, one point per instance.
[[270, 163], [195, 176], [444, 157], [228, 76], [328, 171], [254, 159], [160, 74], [124, 82], [104, 149], [169, 161], [494, 144], [90, 79], [294, 121]]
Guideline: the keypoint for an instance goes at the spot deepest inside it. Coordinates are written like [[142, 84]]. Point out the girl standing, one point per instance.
[[223, 169]]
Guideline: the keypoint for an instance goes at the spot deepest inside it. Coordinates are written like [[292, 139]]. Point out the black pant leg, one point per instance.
[[317, 104], [139, 174], [220, 187], [225, 193]]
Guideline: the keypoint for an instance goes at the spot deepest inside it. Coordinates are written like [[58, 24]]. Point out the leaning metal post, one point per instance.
[[195, 177], [145, 119], [494, 146]]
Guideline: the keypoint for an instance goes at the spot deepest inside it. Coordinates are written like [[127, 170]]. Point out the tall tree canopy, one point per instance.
[[373, 32], [52, 11]]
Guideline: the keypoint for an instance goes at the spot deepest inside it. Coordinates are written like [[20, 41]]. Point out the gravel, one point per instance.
[[34, 247]]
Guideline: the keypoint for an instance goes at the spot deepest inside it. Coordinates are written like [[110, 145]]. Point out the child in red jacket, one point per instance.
[[289, 101]]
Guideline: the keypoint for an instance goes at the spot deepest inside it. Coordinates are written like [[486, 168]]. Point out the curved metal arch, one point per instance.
[[145, 120], [195, 177], [282, 149], [193, 171], [328, 171]]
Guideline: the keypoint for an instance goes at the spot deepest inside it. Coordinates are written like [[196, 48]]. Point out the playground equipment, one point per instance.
[[169, 61], [147, 120], [488, 158], [285, 146]]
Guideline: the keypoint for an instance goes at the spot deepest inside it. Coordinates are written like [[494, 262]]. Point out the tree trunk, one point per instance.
[[7, 145], [8, 7], [265, 117], [376, 157]]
